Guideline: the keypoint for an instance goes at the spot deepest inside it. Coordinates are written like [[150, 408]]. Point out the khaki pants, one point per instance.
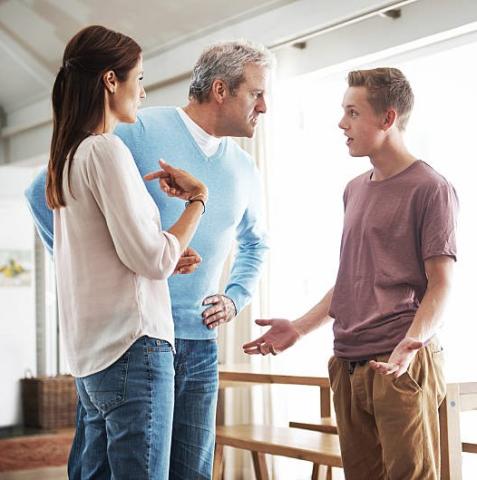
[[389, 428]]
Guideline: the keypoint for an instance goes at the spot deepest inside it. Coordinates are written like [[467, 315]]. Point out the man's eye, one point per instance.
[[353, 113]]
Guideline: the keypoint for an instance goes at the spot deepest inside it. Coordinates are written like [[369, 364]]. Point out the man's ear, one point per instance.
[[110, 81], [390, 118], [219, 90]]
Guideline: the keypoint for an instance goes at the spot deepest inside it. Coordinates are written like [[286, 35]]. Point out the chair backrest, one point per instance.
[[460, 397]]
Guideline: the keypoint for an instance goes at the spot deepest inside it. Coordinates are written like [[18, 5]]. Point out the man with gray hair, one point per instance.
[[226, 97]]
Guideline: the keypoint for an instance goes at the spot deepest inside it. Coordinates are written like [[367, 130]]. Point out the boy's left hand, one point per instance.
[[400, 358]]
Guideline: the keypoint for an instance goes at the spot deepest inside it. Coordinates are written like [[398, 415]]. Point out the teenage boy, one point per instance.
[[397, 253]]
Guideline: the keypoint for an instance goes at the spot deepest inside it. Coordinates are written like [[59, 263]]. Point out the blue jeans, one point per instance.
[[125, 416], [193, 437], [195, 403]]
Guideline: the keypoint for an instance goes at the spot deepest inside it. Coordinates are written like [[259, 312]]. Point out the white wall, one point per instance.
[[17, 304], [29, 143], [172, 94], [2, 152]]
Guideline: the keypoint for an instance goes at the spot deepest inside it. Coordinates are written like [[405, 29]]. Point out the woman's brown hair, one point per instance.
[[78, 96]]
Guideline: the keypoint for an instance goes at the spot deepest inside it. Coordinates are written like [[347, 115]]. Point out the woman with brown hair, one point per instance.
[[112, 260]]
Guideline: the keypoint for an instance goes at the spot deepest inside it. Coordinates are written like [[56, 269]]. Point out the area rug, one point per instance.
[[35, 451]]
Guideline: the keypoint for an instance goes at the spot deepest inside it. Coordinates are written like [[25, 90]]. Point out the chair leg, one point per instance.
[[315, 474], [329, 473], [259, 465], [218, 462]]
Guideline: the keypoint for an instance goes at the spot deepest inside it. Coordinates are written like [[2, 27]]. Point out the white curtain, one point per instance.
[[241, 405]]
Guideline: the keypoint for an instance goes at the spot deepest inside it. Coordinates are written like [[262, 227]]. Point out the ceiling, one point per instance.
[[33, 33]]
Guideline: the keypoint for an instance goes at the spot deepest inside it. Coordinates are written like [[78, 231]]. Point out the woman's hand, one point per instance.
[[178, 183], [188, 262]]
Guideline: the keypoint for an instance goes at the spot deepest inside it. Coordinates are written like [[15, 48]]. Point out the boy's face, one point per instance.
[[361, 125]]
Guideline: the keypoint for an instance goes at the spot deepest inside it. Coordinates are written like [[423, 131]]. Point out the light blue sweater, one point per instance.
[[233, 211]]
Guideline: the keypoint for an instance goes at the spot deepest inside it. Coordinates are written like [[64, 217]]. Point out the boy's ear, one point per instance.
[[389, 118]]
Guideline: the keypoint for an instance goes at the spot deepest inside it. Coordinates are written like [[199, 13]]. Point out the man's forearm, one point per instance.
[[316, 317], [429, 314]]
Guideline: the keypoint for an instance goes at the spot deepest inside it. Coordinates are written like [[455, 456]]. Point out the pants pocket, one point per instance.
[[437, 361], [158, 345], [334, 372], [107, 388]]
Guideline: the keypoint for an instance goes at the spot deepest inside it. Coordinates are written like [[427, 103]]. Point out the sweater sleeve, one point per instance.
[[42, 215], [252, 245], [132, 217]]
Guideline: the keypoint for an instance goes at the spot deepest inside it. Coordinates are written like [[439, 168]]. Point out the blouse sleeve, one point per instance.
[[132, 217]]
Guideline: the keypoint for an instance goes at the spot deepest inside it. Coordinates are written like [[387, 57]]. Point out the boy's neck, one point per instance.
[[390, 160]]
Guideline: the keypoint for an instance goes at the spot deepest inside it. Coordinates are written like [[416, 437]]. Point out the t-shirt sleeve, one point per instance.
[[132, 217], [439, 223]]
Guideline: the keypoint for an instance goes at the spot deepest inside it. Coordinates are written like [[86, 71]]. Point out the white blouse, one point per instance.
[[112, 258]]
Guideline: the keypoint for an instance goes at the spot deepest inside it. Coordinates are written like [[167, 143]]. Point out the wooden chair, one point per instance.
[[326, 425], [319, 447], [460, 397], [322, 449]]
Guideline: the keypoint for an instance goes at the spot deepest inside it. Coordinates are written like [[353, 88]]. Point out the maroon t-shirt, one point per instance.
[[390, 227]]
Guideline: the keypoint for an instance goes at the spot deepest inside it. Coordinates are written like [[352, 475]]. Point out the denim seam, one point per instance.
[[149, 416]]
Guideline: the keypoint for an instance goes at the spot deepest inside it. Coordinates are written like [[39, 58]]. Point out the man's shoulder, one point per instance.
[[156, 113], [149, 119], [236, 153]]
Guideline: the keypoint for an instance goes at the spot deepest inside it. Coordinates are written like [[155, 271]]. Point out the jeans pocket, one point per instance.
[[158, 345], [107, 388]]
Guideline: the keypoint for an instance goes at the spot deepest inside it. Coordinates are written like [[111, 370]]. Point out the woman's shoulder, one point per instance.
[[102, 147], [102, 142]]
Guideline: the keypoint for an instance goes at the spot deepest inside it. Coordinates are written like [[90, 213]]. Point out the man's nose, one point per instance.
[[261, 105]]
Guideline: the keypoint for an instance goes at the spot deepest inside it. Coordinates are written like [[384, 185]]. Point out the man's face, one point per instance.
[[240, 111], [361, 125]]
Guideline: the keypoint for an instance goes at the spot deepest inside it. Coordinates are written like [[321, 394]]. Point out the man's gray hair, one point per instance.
[[226, 61]]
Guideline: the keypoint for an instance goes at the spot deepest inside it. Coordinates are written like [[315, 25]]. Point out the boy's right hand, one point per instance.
[[281, 335]]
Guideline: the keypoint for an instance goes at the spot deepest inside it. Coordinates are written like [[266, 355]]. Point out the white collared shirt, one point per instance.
[[206, 142]]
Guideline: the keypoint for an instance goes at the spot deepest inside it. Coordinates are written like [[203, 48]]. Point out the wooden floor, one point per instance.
[[50, 473]]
